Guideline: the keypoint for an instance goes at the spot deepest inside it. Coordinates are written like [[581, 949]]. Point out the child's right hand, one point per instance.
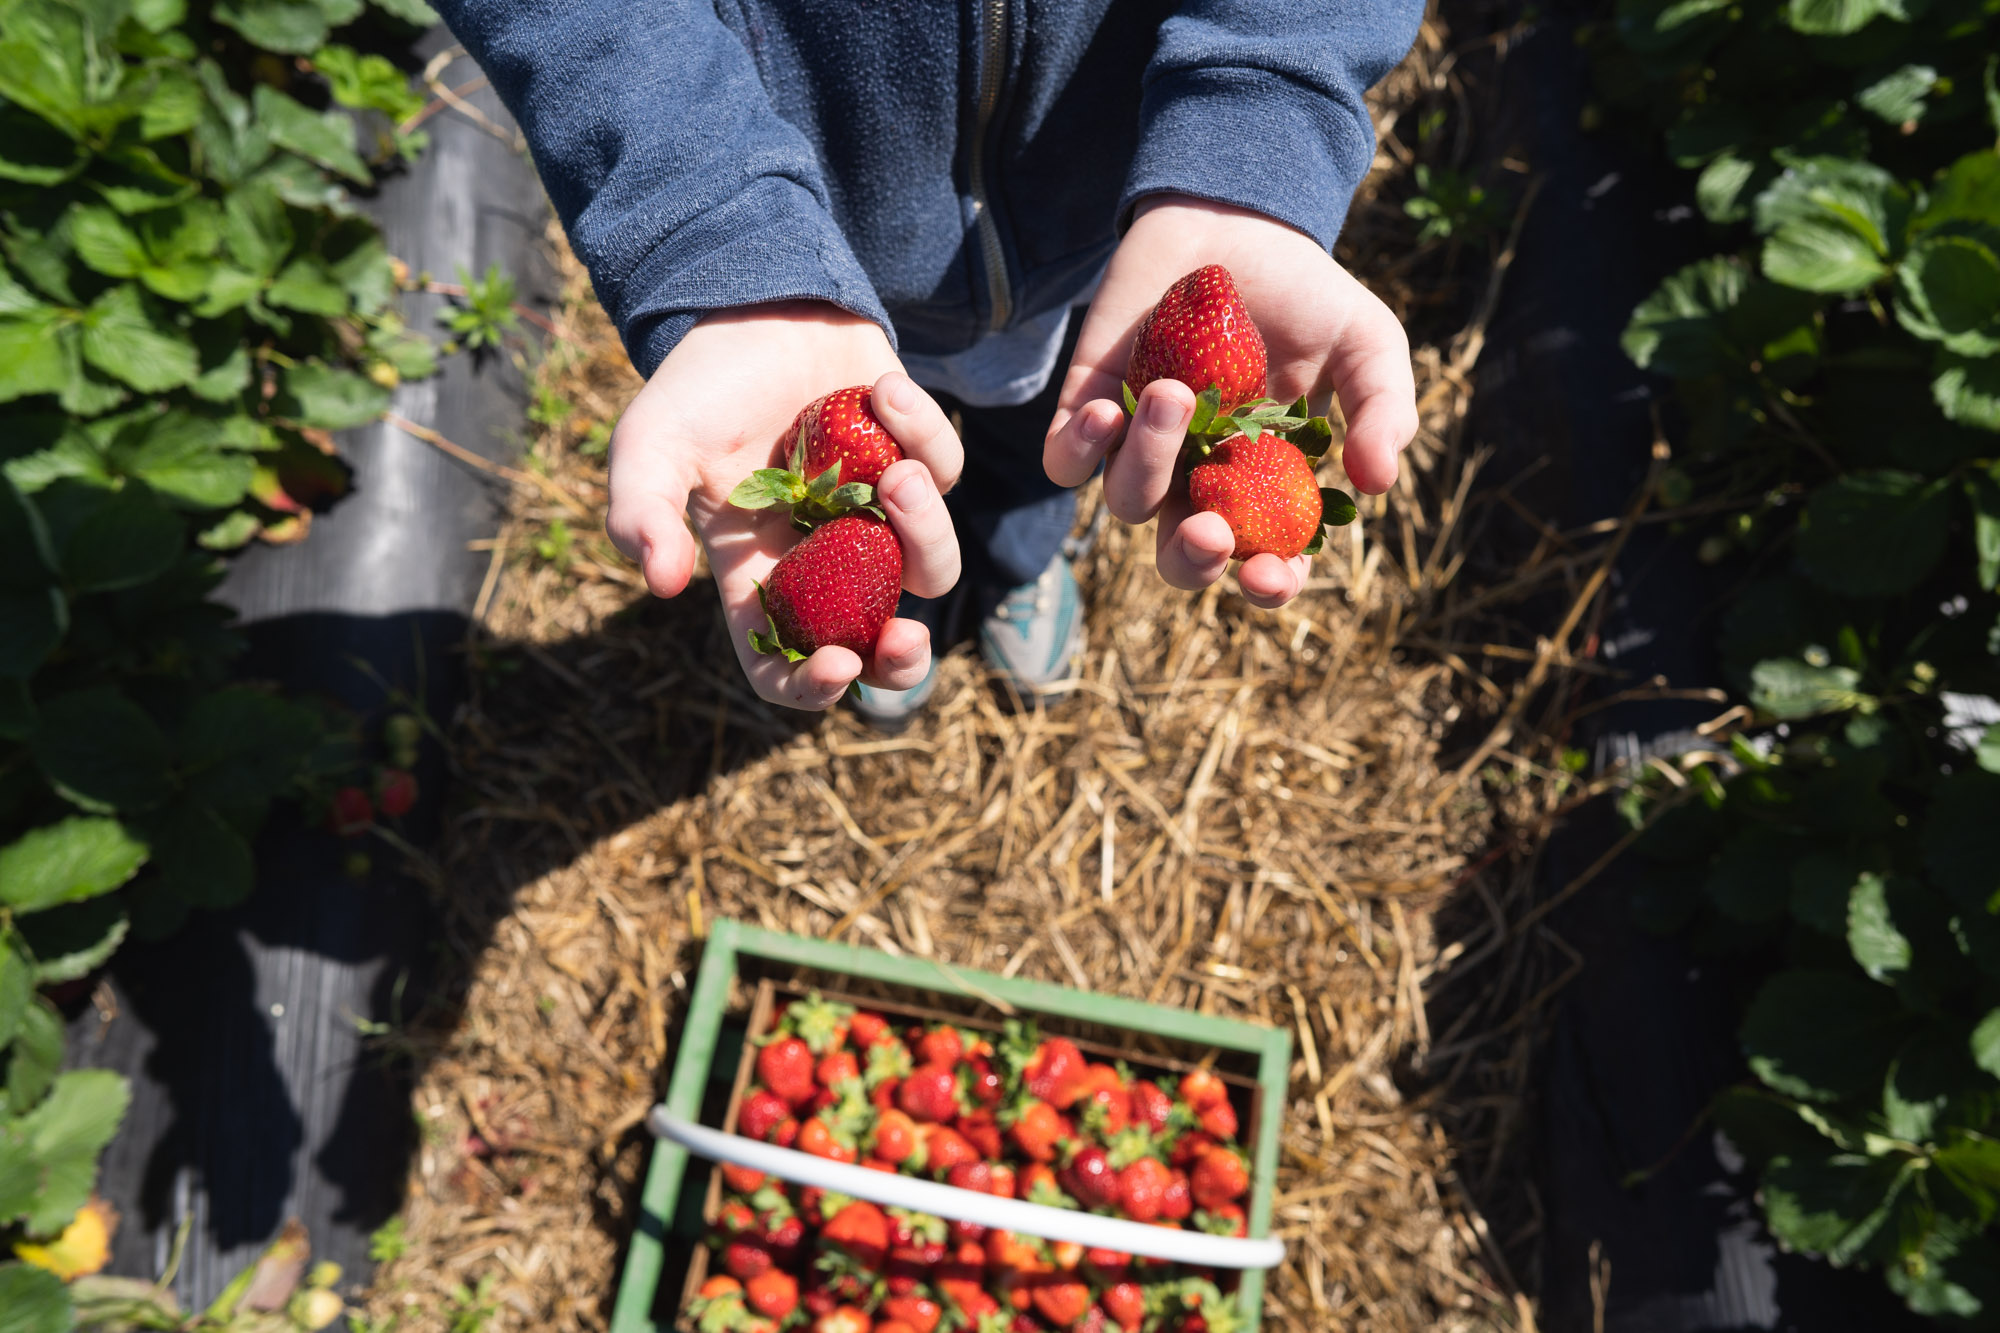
[[721, 406]]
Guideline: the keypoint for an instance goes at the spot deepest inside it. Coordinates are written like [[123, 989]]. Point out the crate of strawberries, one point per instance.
[[859, 1143]]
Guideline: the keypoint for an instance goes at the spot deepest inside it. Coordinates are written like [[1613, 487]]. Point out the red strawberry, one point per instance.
[[1109, 1265], [1063, 1301], [1189, 1147], [919, 1312], [1057, 1072], [746, 1257], [741, 1178], [867, 1028], [1218, 1177], [974, 1176], [1226, 1219], [820, 1139], [1177, 1200], [735, 1218], [1036, 1130], [396, 792], [1142, 1189], [1003, 1180], [1201, 1087], [1038, 1185], [895, 1136], [1150, 1105], [930, 1093], [982, 1131], [844, 1319], [1103, 1102], [837, 586], [893, 1326], [1090, 1178], [837, 1068], [984, 1083], [967, 1233], [1265, 489], [787, 1132], [774, 1294], [352, 812], [862, 1230], [947, 1148], [786, 1068], [842, 428], [785, 1239], [763, 1111], [1201, 334], [1219, 1119], [1126, 1304]]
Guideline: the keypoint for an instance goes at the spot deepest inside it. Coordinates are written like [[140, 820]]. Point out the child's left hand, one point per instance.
[[1325, 332]]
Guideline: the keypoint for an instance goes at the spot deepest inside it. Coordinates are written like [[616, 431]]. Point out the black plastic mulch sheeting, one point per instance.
[[255, 1095], [1647, 1032]]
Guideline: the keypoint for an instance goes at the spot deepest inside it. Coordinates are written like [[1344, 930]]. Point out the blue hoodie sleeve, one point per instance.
[[681, 189], [1258, 103]]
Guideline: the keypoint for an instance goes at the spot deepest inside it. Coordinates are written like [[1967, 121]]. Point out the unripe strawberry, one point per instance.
[[1201, 334], [1264, 489], [837, 586]]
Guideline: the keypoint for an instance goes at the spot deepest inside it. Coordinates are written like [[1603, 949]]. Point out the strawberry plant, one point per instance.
[[1838, 372], [189, 303]]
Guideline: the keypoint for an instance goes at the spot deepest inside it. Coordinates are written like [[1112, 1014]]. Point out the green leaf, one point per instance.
[[122, 338], [1966, 191], [201, 859], [1988, 751], [239, 747], [1874, 534], [1872, 936], [32, 622], [34, 152], [1961, 840], [319, 395], [1727, 185], [1788, 688], [1834, 1205], [102, 750], [1985, 1043], [179, 456], [66, 1133], [1206, 404], [1982, 488], [1131, 400], [1834, 18], [1336, 507], [69, 942], [256, 229], [1948, 291], [767, 487], [368, 82], [125, 539], [58, 61], [1820, 1036], [1967, 389], [17, 984], [33, 1300], [1818, 256], [225, 379], [1832, 223], [1898, 96], [104, 242], [325, 139], [305, 284], [34, 1056], [413, 12], [295, 27], [32, 358], [1822, 885], [64, 863]]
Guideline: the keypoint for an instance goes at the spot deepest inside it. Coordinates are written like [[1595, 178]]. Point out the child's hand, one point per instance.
[[1324, 331], [721, 406]]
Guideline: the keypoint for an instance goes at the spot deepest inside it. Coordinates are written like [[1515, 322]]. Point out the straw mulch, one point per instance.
[[1322, 817]]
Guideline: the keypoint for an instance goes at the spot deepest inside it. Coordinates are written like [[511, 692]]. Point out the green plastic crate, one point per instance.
[[665, 1220]]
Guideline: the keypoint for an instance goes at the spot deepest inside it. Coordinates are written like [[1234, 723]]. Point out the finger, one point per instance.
[[1138, 476], [917, 512], [1270, 581], [902, 656], [647, 518], [1378, 393], [1079, 441], [1192, 549], [920, 426], [813, 685]]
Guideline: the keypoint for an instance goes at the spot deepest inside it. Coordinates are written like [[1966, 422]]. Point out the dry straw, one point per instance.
[[1323, 817]]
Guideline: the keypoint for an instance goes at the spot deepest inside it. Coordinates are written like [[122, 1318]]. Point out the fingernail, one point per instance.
[[901, 393], [1164, 413], [911, 493], [1096, 427]]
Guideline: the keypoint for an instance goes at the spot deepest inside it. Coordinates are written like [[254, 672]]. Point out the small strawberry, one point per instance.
[[1177, 1200], [837, 1068], [1265, 490], [930, 1093], [1201, 1087], [773, 1294], [1142, 1189], [1219, 1120], [895, 1136], [967, 1233], [843, 1319], [1226, 1219], [1150, 1105], [862, 1230], [1103, 1104], [785, 1239], [1108, 1265], [867, 1028], [940, 1046], [1219, 1177], [974, 1176], [1125, 1302], [786, 1068], [741, 1178], [1057, 1073], [395, 792], [821, 1139], [787, 1132], [735, 1218], [946, 1149], [1038, 1185], [838, 586], [1004, 1180], [919, 1312], [982, 1131], [746, 1257], [718, 1305], [1201, 334], [1090, 1178], [984, 1083], [763, 1111], [837, 451], [1063, 1300], [1036, 1131], [1189, 1147], [351, 813]]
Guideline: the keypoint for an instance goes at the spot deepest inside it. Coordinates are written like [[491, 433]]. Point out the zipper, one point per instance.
[[992, 71]]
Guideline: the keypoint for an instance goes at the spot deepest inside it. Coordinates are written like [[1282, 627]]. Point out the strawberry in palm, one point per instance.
[[1201, 334], [1265, 489], [839, 450], [837, 587]]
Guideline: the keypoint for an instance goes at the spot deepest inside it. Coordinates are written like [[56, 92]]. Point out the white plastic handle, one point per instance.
[[958, 1205]]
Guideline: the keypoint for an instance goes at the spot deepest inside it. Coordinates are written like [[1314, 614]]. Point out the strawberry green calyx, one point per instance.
[[1130, 1144], [812, 502], [886, 1060], [819, 1022], [766, 640]]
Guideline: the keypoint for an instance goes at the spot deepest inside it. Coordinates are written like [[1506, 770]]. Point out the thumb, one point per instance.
[[647, 518]]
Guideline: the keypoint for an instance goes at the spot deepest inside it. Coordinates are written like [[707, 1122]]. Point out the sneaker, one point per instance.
[[890, 711], [1036, 632]]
